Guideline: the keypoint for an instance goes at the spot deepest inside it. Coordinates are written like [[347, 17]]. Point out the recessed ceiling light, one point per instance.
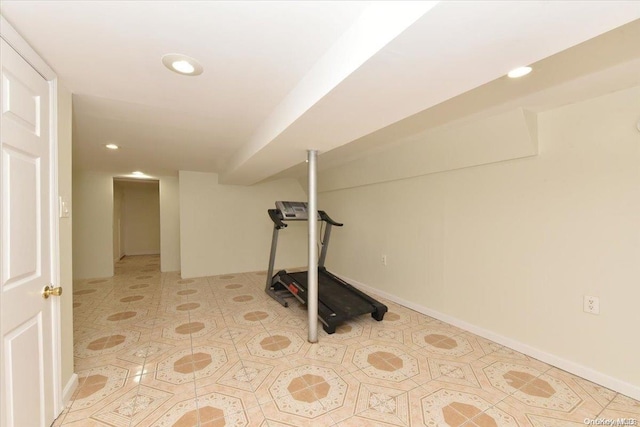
[[112, 146], [138, 175], [519, 72], [182, 64]]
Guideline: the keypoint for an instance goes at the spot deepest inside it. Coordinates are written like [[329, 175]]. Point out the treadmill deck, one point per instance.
[[338, 301]]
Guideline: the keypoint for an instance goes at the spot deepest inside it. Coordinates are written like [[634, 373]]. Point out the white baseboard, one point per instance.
[[140, 253], [612, 383], [68, 390]]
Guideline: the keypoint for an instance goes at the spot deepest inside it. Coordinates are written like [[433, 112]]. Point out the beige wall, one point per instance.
[[118, 248], [511, 248], [226, 228], [169, 224], [497, 138], [65, 236], [92, 225], [140, 217]]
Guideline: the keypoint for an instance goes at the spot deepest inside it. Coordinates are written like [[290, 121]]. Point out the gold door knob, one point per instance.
[[48, 291]]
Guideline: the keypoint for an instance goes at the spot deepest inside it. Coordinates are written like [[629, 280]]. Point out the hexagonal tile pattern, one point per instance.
[[189, 329], [394, 318], [255, 315], [183, 307], [441, 342], [186, 365], [121, 317], [308, 391], [532, 387], [97, 384], [241, 299], [274, 346], [348, 330], [106, 343], [386, 363], [454, 408], [215, 409]]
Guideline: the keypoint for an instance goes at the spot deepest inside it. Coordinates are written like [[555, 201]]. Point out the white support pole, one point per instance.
[[312, 276]]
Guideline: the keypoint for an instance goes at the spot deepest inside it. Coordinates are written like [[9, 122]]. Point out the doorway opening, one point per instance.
[[136, 217]]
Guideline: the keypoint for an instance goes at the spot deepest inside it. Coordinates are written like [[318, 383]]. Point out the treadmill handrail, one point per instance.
[[276, 217], [326, 218]]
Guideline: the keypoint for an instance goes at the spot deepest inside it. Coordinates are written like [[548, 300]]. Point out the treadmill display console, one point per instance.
[[293, 210]]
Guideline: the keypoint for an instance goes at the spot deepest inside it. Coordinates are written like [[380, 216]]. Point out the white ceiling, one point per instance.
[[283, 77]]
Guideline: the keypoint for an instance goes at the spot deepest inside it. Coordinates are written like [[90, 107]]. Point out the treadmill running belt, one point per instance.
[[335, 296]]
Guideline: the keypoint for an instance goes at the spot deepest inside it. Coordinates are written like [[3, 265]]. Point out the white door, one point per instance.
[[26, 350]]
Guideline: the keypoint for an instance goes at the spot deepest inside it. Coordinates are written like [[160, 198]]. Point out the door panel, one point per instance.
[[22, 210], [22, 350], [26, 356], [20, 103]]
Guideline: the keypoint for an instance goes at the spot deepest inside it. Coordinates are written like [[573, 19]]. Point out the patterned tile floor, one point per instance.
[[154, 350]]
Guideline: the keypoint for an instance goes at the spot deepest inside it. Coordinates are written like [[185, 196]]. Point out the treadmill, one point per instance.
[[338, 301]]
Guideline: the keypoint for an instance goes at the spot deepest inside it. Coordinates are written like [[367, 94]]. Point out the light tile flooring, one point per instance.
[[154, 350]]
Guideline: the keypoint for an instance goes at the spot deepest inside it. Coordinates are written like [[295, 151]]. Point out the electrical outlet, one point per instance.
[[384, 260], [591, 304]]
